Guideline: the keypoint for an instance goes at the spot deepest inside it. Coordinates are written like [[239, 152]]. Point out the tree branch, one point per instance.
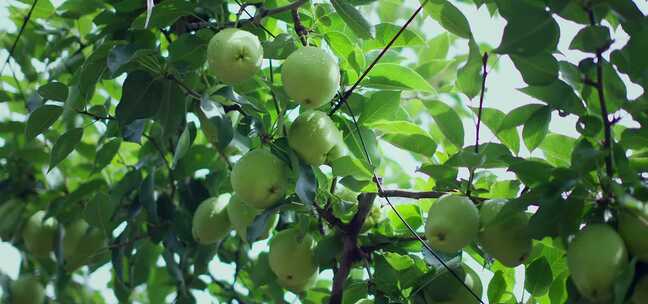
[[301, 31], [261, 13], [479, 118], [599, 85], [350, 251]]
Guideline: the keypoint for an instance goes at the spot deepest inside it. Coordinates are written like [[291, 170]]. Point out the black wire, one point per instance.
[[22, 29], [412, 231], [346, 95], [250, 15]]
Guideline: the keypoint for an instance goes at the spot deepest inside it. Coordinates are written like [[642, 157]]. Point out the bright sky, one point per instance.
[[501, 93]]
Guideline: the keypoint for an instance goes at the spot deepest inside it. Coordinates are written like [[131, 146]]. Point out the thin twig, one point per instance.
[[301, 31], [479, 118], [599, 84], [95, 116], [342, 100], [20, 32]]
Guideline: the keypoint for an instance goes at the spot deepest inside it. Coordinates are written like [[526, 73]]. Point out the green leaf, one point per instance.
[[140, 97], [106, 153], [64, 145], [538, 277], [188, 52], [624, 281], [41, 119], [435, 48], [172, 111], [164, 14], [306, 186], [529, 32], [53, 91], [406, 135], [184, 142], [382, 105], [491, 155], [354, 19], [385, 32], [540, 69], [536, 128], [496, 287], [412, 215], [122, 55], [393, 76], [280, 47], [350, 166], [493, 119], [557, 149], [559, 95], [448, 121], [635, 138], [590, 39], [449, 16], [519, 116], [469, 77]]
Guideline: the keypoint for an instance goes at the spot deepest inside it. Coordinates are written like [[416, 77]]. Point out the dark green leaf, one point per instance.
[[540, 69], [354, 19], [140, 98], [538, 277], [184, 142], [559, 95], [448, 121], [469, 76], [64, 145], [536, 128], [590, 39], [53, 91], [106, 153], [449, 16], [496, 287], [41, 119], [530, 32]]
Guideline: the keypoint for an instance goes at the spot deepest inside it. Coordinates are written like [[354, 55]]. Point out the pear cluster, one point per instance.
[[310, 75], [454, 222]]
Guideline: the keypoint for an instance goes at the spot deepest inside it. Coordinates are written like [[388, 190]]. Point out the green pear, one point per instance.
[[313, 135], [210, 221], [234, 55], [506, 240], [445, 288], [595, 258], [640, 294], [27, 290], [242, 216], [74, 233], [298, 286], [291, 258], [39, 235], [452, 223], [259, 178], [634, 231], [310, 76], [91, 245]]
